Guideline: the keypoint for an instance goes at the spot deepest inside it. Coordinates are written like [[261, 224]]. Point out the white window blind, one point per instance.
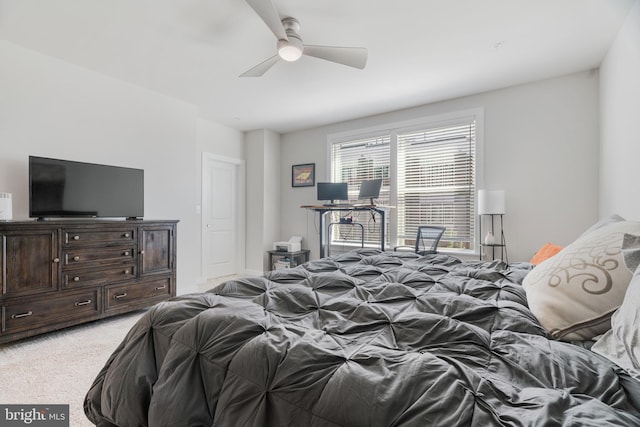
[[436, 183], [353, 162]]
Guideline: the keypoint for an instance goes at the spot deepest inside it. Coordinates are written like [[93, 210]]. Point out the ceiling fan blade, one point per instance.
[[269, 14], [352, 56], [261, 68]]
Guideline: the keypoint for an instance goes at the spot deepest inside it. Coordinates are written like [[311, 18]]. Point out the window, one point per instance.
[[429, 175], [436, 182], [355, 161]]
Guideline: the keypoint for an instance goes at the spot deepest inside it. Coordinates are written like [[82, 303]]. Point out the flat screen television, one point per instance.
[[64, 188], [370, 189], [332, 191]]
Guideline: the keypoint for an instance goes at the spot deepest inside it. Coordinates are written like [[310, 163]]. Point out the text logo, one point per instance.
[[34, 415]]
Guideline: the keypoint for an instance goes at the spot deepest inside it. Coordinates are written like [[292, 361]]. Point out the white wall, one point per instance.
[[541, 147], [619, 116], [54, 109], [219, 139], [263, 197], [272, 192]]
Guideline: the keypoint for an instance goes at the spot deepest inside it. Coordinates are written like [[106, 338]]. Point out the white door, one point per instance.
[[221, 236]]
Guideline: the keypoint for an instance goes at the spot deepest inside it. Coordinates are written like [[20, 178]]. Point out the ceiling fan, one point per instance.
[[290, 46]]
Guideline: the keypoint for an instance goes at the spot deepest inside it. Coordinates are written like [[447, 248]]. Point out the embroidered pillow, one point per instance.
[[603, 222], [574, 293]]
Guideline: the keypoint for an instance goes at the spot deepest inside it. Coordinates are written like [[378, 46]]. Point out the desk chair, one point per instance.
[[427, 239]]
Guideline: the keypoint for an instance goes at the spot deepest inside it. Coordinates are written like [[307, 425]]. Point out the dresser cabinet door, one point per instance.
[[30, 262], [157, 254]]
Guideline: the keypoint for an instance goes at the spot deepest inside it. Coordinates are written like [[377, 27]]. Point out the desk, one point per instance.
[[322, 210]]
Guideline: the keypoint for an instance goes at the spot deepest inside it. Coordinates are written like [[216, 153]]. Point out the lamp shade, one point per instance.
[[490, 202]]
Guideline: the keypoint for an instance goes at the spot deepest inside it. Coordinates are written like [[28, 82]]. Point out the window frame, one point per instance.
[[392, 129]]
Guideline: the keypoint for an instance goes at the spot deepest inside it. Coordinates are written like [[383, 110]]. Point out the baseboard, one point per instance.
[[253, 272]]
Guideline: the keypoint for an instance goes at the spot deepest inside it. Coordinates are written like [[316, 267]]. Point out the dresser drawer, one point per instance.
[[79, 257], [83, 237], [44, 311], [98, 276], [139, 294]]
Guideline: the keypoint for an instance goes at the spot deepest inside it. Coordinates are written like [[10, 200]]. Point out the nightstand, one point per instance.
[[281, 259]]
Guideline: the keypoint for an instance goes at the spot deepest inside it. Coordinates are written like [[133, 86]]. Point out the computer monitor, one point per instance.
[[332, 191], [370, 189]]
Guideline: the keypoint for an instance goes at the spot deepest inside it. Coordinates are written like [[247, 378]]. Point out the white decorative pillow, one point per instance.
[[603, 222], [621, 344], [574, 293]]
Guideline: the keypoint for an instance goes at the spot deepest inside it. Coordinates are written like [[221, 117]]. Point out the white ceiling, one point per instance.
[[420, 51]]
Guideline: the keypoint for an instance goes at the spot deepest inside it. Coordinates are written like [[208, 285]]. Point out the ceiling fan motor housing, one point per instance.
[[292, 49]]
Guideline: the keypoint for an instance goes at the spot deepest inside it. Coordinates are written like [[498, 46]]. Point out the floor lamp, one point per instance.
[[492, 203]]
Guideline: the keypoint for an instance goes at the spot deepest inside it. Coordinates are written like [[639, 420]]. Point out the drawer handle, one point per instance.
[[159, 288], [21, 315], [126, 235], [126, 272], [76, 258], [126, 253], [81, 303], [76, 279], [76, 237], [118, 296], [56, 260]]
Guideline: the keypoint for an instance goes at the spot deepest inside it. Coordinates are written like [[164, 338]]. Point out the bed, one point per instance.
[[367, 338]]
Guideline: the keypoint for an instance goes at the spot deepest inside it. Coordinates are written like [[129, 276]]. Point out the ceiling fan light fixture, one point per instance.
[[289, 43], [290, 50]]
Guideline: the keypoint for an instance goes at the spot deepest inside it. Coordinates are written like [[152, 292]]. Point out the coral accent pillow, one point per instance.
[[574, 293], [545, 252]]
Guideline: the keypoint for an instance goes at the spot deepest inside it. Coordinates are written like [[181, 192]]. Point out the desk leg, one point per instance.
[[321, 234], [382, 236]]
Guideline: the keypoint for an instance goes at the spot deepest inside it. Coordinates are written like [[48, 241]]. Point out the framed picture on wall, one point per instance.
[[303, 175]]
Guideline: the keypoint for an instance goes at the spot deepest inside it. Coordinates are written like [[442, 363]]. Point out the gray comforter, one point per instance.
[[363, 339]]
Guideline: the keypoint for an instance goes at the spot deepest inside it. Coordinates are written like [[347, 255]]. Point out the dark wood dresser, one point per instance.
[[58, 273]]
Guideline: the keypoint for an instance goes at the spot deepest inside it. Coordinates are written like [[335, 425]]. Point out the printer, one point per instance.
[[294, 244]]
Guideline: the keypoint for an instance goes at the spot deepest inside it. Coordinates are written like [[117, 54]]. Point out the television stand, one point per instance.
[[63, 272]]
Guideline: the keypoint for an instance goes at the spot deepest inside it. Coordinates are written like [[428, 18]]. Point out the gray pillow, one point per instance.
[[621, 343], [630, 251]]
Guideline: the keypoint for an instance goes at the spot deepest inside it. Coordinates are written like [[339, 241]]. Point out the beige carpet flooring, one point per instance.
[[59, 367]]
